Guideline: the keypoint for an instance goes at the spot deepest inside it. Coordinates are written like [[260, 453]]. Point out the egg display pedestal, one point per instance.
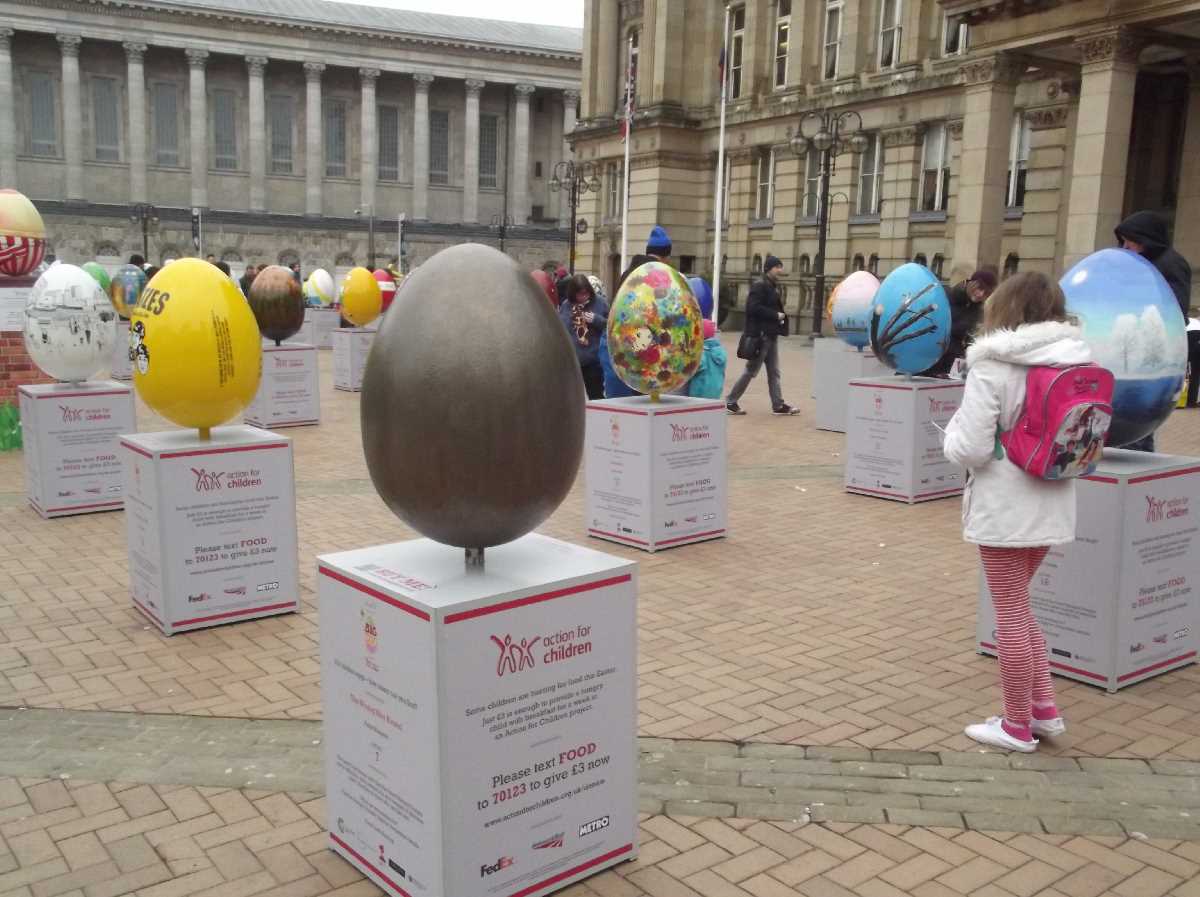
[[305, 336], [18, 368], [324, 320], [893, 440], [1122, 602], [122, 369], [210, 526], [835, 364], [351, 346], [71, 432], [289, 393], [479, 725], [655, 471]]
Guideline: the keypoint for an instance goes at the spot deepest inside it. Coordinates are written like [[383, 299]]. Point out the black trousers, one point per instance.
[[1193, 339], [593, 380]]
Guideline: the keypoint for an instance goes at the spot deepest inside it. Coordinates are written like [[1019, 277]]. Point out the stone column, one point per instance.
[[314, 162], [470, 211], [72, 115], [518, 200], [198, 131], [570, 98], [1046, 182], [370, 140], [609, 49], [8, 132], [256, 66], [136, 78], [901, 173], [991, 85], [420, 187], [1187, 206], [1109, 75]]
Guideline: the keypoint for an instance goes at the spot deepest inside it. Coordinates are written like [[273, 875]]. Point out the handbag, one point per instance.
[[749, 345]]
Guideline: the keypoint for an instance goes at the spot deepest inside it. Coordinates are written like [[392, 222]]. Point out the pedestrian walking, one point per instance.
[[585, 315], [765, 323], [1012, 516]]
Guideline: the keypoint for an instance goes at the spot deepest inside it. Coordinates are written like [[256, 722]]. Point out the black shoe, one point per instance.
[[785, 409], [734, 408]]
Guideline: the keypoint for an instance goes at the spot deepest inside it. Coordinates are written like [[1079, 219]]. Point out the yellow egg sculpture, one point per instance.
[[194, 346], [362, 300]]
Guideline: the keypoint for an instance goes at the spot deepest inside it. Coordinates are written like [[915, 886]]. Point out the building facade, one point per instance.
[[289, 126], [1003, 133]]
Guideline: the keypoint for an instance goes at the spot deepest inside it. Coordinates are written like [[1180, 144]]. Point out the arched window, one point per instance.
[[289, 257], [873, 264], [1011, 263], [107, 250], [756, 265], [169, 253], [231, 255], [920, 259], [859, 262], [939, 262], [344, 260], [805, 265]]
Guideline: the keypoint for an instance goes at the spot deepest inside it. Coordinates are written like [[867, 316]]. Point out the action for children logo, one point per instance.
[[1158, 509], [551, 842], [70, 415], [938, 407], [207, 480], [878, 403], [615, 429], [79, 415], [515, 656], [684, 433]]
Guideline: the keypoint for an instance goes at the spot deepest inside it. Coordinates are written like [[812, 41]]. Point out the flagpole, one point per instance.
[[628, 141], [719, 214]]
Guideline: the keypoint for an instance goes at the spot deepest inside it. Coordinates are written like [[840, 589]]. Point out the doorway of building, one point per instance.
[[1156, 142], [614, 271]]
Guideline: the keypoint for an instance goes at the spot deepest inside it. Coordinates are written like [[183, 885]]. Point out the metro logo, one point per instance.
[[594, 826]]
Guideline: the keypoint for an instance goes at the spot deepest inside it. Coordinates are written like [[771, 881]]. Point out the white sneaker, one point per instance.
[[993, 734], [1049, 728]]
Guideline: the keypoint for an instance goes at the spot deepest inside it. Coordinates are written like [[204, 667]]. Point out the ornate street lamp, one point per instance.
[[503, 222], [830, 135], [145, 213], [579, 178]]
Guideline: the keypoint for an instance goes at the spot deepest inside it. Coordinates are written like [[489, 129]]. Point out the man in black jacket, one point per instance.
[[966, 311], [1146, 234], [764, 318]]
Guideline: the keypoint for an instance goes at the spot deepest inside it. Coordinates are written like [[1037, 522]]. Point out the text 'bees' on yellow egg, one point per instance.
[[194, 345]]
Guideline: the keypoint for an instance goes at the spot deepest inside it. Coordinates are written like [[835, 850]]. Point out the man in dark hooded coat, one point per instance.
[[1146, 234]]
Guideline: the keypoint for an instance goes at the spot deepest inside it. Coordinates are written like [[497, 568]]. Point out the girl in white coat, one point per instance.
[[1012, 516]]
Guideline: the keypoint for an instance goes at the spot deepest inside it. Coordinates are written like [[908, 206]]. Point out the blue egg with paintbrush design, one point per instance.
[[910, 319]]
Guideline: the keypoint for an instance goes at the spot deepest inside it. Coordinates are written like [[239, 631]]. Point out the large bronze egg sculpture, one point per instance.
[[277, 301], [472, 401]]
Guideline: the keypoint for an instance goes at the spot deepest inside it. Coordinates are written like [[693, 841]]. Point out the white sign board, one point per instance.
[[656, 471], [835, 364], [351, 346], [479, 726], [122, 369], [289, 393], [894, 438], [211, 526], [14, 292], [70, 433], [324, 321], [1119, 604]]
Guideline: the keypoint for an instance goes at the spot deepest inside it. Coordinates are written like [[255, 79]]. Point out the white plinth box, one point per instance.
[[303, 337], [211, 526], [656, 471], [835, 364], [351, 346], [479, 726], [893, 440], [1120, 604], [71, 433], [121, 367], [324, 321], [289, 394]]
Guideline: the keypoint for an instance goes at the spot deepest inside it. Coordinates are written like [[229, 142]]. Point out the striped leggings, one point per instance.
[[1024, 665]]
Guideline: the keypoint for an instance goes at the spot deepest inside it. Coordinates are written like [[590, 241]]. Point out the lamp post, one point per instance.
[[579, 178], [830, 135], [502, 222], [146, 214], [370, 213]]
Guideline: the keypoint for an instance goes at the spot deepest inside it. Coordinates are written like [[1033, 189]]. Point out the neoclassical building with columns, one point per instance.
[[289, 126], [1002, 133]]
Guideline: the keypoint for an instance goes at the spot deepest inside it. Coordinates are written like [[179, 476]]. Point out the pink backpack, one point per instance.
[[1062, 426]]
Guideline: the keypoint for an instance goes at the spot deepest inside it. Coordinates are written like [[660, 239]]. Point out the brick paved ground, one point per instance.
[[839, 624]]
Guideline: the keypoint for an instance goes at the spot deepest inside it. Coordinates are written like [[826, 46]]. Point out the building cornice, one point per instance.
[[138, 9]]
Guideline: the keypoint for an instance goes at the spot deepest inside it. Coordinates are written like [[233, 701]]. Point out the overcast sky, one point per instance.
[[543, 12]]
